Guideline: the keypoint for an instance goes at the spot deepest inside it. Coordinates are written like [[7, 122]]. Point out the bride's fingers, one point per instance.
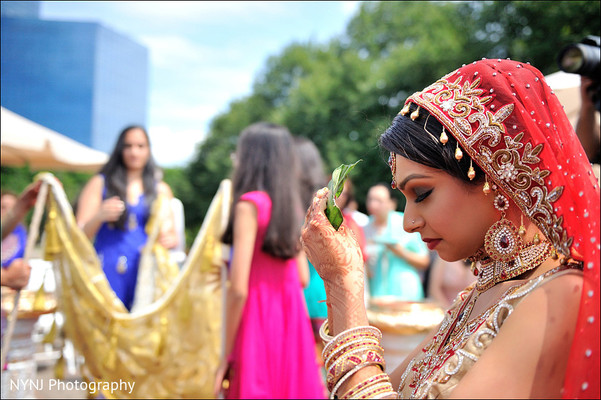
[[318, 205], [319, 201]]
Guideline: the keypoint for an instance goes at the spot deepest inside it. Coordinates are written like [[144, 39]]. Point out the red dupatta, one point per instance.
[[508, 119]]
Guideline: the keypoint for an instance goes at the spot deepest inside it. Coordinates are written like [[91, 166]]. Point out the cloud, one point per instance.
[[201, 11], [349, 8], [168, 51], [174, 148], [204, 54]]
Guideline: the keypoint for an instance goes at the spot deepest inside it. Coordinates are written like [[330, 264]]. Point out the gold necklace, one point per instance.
[[492, 272]]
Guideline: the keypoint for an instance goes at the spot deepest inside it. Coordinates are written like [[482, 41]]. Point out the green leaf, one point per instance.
[[335, 187]]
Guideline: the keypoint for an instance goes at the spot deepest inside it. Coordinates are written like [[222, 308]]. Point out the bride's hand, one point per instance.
[[337, 258], [334, 253]]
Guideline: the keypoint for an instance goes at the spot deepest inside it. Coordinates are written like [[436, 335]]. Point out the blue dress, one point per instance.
[[13, 245], [391, 275], [315, 293], [119, 250]]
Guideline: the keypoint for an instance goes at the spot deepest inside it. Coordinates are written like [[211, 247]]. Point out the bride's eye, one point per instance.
[[421, 194]]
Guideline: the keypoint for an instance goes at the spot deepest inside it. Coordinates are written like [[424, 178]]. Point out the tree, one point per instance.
[[531, 31], [344, 94]]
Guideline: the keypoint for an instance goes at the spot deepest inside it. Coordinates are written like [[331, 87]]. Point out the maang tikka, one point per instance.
[[392, 165], [502, 241]]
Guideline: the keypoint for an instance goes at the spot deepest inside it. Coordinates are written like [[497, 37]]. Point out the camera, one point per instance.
[[583, 59]]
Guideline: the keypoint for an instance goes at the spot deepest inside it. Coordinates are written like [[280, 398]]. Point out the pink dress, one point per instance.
[[274, 353]]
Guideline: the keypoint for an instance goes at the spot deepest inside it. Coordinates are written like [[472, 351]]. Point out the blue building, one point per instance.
[[80, 79]]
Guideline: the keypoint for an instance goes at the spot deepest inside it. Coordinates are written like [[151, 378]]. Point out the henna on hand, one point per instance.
[[333, 253], [337, 258]]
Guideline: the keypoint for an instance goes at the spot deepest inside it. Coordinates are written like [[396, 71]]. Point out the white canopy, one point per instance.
[[26, 142]]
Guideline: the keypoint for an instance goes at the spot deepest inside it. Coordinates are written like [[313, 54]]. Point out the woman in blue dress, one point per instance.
[[115, 205], [393, 255]]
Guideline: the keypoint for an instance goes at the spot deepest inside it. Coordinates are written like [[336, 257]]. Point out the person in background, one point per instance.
[[269, 350], [447, 279], [312, 177], [393, 255], [13, 246], [114, 207], [348, 204], [15, 271], [587, 126], [356, 220]]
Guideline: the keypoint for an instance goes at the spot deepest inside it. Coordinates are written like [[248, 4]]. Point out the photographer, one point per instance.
[[583, 59], [587, 127]]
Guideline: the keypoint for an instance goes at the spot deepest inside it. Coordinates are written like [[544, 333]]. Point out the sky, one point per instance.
[[204, 54]]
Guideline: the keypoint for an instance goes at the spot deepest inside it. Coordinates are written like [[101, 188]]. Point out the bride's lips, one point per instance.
[[431, 243]]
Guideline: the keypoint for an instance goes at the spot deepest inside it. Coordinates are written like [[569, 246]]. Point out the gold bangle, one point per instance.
[[351, 394], [338, 351], [324, 332], [349, 334], [347, 376], [335, 347], [373, 390], [350, 360]]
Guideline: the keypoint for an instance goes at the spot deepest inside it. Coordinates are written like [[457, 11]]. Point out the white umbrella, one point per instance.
[[26, 142]]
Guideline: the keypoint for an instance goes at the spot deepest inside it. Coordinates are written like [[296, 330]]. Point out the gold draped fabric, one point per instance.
[[170, 345]]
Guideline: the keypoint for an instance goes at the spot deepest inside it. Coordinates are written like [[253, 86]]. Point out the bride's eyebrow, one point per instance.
[[401, 185]]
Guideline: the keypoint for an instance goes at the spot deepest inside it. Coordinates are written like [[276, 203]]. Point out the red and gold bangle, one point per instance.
[[372, 355], [375, 390], [337, 352], [327, 339], [347, 376], [367, 332], [351, 394], [332, 346], [334, 351]]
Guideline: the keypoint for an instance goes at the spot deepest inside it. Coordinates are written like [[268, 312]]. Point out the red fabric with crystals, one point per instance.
[[507, 118]]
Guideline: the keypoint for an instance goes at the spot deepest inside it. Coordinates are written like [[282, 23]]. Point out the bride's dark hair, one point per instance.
[[408, 138]]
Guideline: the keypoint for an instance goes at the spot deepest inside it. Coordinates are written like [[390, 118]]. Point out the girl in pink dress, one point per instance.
[[269, 347]]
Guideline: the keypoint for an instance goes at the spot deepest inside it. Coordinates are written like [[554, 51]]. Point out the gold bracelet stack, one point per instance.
[[350, 351], [356, 391]]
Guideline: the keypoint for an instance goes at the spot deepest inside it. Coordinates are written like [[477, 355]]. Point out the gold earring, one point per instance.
[[502, 241]]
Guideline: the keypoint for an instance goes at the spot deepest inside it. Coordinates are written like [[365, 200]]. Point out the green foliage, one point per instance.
[[532, 31], [16, 179], [344, 94], [180, 185]]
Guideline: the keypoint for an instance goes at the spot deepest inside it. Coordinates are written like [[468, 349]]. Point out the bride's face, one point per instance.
[[451, 216]]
